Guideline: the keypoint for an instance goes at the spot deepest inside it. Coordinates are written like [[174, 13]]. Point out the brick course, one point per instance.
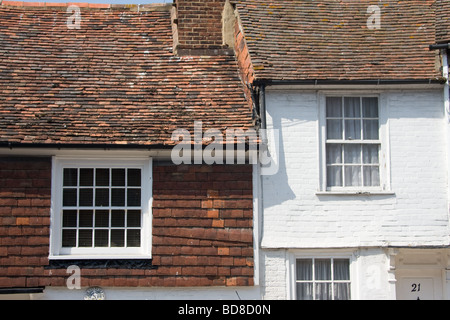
[[202, 228], [200, 23], [25, 192], [246, 71]]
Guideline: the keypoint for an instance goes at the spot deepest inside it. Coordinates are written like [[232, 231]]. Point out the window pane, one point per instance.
[[341, 269], [323, 291], [69, 218], [371, 154], [134, 197], [304, 291], [334, 130], [353, 176], [86, 197], [102, 177], [118, 218], [85, 239], [342, 291], [352, 129], [101, 238], [102, 218], [370, 107], [334, 153], [371, 130], [322, 269], [86, 177], [133, 238], [69, 197], [70, 178], [334, 107], [134, 177], [352, 107], [84, 188], [117, 238], [118, 197], [334, 176], [69, 238], [352, 154], [118, 177], [86, 218], [372, 176], [304, 269], [134, 219], [102, 197]]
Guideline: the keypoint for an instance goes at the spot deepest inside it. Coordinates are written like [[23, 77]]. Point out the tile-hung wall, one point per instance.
[[201, 234]]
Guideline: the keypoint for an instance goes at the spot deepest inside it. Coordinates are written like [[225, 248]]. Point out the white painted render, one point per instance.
[[409, 212], [368, 271], [376, 273]]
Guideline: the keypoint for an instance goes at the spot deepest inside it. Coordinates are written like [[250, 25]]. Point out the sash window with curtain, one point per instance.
[[323, 279]]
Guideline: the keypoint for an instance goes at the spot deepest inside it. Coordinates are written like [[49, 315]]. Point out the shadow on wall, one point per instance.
[[278, 183]]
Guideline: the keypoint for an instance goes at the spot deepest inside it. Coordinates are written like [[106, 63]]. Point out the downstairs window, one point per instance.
[[323, 279]]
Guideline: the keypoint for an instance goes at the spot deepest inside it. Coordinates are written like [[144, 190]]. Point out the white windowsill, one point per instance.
[[99, 257], [354, 193]]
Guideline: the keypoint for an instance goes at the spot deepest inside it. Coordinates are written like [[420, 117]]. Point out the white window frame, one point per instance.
[[57, 252], [384, 157], [295, 255]]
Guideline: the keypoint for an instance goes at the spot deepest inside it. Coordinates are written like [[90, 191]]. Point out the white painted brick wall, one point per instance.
[[371, 281], [416, 215], [368, 273], [274, 284]]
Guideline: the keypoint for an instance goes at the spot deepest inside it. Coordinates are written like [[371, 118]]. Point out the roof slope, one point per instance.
[[113, 81], [330, 39], [442, 21]]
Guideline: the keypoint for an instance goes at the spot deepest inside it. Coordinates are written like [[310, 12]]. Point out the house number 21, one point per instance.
[[415, 287]]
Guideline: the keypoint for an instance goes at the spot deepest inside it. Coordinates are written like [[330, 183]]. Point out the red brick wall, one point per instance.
[[202, 229], [200, 23], [24, 220], [202, 224]]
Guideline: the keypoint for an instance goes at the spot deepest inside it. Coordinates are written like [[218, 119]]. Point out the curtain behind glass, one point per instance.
[[305, 291], [341, 291], [341, 271], [352, 109], [322, 269], [370, 121], [352, 155], [334, 110], [334, 173], [304, 273], [326, 272]]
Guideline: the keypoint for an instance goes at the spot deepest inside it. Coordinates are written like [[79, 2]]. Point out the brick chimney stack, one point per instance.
[[198, 26]]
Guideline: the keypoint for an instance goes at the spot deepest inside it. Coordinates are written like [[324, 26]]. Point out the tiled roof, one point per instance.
[[114, 80], [330, 39], [442, 20]]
